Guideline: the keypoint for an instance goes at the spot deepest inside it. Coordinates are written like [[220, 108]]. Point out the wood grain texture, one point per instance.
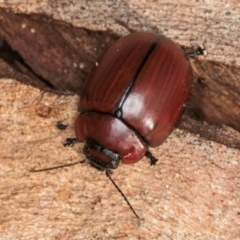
[[193, 192], [214, 24]]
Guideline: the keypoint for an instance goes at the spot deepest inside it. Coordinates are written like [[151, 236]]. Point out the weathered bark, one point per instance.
[[192, 193]]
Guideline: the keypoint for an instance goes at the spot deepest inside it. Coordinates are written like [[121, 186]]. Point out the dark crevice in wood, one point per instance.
[[14, 59], [215, 97], [220, 134], [54, 53]]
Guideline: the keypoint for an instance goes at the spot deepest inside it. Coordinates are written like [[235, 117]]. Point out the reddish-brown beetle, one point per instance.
[[132, 99]]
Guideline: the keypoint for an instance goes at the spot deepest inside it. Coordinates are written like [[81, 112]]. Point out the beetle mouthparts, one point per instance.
[[100, 157]]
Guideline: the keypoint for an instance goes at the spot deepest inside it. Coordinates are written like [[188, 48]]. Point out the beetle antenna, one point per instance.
[[108, 174], [57, 167]]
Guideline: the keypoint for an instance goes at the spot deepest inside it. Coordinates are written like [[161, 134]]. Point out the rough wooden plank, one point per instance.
[[215, 24], [192, 193], [57, 53]]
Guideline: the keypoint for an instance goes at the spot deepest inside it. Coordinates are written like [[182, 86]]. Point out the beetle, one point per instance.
[[132, 99]]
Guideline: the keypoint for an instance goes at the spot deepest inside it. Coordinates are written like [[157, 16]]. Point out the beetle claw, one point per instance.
[[70, 142], [197, 52], [153, 160]]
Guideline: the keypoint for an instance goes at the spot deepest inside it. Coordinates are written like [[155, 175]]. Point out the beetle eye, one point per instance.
[[99, 156]]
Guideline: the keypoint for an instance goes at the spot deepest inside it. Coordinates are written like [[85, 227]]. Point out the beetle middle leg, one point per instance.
[[197, 52], [153, 160], [70, 142]]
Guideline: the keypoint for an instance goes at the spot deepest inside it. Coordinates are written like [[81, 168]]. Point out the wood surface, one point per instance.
[[194, 190]]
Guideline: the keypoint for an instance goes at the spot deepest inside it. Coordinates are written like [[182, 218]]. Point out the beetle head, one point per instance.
[[99, 156]]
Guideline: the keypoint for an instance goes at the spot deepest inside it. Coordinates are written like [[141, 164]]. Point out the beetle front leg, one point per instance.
[[70, 142], [153, 160]]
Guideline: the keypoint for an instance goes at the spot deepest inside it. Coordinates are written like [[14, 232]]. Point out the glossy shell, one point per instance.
[[138, 92]]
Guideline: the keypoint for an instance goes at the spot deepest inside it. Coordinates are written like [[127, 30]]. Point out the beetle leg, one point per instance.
[[197, 52], [70, 142], [153, 160], [61, 125]]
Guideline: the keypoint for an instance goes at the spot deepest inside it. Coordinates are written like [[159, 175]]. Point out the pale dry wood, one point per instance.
[[192, 193], [215, 24]]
